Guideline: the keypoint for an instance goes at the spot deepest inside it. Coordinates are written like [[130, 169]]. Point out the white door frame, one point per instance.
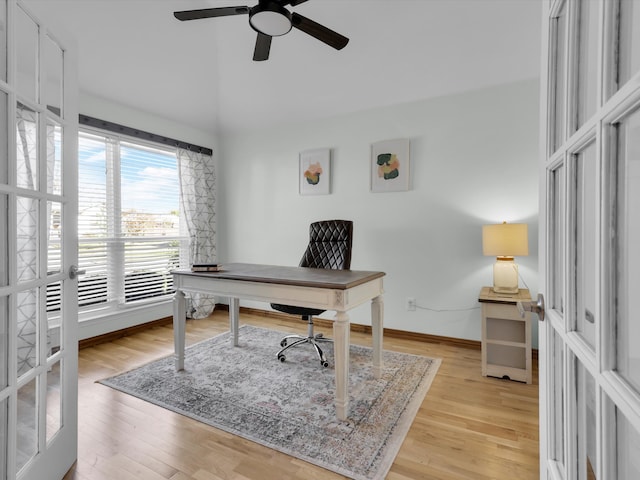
[[53, 447], [594, 361]]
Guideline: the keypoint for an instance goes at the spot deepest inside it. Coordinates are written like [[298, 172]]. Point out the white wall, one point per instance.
[[117, 113], [473, 162]]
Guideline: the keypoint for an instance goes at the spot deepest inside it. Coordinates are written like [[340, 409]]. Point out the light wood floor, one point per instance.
[[468, 427]]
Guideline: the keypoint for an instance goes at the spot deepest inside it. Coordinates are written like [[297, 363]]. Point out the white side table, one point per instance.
[[506, 336]]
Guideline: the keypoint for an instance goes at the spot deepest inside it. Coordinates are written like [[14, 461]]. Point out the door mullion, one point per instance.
[[608, 449], [12, 365], [572, 70], [41, 382], [571, 418], [43, 225], [601, 428], [607, 340]]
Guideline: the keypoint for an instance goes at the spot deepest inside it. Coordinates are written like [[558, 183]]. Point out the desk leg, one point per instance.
[[179, 326], [341, 331], [234, 314], [377, 321]]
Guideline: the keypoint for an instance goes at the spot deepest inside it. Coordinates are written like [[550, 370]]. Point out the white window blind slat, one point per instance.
[[128, 221]]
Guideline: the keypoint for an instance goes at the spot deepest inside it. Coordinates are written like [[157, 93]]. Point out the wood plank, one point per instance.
[[468, 426]]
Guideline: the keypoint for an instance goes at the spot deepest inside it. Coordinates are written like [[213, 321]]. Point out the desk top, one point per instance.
[[296, 276]]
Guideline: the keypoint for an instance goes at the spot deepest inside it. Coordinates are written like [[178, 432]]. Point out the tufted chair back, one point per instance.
[[329, 248], [329, 245]]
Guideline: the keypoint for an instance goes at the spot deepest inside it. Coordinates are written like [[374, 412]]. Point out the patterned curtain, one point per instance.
[[26, 238], [197, 205]]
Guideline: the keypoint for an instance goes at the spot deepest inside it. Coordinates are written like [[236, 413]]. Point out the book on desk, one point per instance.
[[206, 267]]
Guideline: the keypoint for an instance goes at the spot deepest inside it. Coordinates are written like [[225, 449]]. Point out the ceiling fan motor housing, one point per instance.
[[270, 18]]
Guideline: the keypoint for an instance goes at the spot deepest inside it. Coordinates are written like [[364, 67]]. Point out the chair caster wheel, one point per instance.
[[283, 343], [325, 364], [282, 358], [319, 335]]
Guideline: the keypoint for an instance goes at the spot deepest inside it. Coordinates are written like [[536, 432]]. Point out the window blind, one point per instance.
[[128, 221]]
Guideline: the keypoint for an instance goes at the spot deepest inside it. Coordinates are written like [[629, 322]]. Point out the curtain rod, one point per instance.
[[132, 132]]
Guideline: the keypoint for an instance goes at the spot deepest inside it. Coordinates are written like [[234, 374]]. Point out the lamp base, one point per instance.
[[505, 275]]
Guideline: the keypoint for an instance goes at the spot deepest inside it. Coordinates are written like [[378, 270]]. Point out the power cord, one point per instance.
[[441, 310], [523, 282]]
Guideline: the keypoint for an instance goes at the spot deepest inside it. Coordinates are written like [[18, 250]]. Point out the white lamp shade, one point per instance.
[[505, 240]]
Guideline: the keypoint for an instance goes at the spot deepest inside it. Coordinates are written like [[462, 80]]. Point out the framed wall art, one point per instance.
[[315, 172], [390, 166]]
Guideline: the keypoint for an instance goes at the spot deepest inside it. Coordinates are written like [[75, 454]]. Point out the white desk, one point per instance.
[[338, 290]]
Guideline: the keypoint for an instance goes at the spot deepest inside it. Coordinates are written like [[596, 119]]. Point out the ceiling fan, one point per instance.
[[270, 18]]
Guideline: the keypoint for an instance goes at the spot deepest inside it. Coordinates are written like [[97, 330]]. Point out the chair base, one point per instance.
[[294, 340]]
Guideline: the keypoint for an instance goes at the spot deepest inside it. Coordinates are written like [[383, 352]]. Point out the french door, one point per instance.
[[590, 240], [38, 205]]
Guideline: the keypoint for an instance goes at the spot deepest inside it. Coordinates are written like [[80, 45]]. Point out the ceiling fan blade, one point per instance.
[[263, 46], [210, 12], [293, 3], [322, 33]]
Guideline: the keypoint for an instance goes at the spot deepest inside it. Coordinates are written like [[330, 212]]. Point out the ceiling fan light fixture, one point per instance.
[[271, 19]]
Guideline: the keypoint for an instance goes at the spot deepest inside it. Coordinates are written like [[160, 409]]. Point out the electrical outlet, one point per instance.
[[411, 304]]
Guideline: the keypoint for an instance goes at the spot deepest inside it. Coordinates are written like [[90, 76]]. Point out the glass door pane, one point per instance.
[[54, 239], [4, 133], [27, 55], [54, 398], [27, 444], [4, 239], [559, 73], [557, 224], [27, 317], [54, 158], [628, 441], [627, 253], [587, 77], [4, 436], [53, 88], [586, 255], [628, 40], [27, 238], [4, 343], [26, 147], [586, 423], [3, 42], [556, 415]]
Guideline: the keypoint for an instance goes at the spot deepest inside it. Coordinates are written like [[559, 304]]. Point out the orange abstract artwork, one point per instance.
[[312, 174]]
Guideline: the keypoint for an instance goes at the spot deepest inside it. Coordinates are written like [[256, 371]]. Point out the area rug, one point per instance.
[[289, 406]]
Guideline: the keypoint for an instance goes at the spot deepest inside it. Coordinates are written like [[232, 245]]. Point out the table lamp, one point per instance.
[[505, 241]]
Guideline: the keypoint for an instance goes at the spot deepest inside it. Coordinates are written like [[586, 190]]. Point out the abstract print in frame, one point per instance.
[[390, 166], [315, 172]]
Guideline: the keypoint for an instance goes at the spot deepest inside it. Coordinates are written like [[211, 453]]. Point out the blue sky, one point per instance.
[[147, 176]]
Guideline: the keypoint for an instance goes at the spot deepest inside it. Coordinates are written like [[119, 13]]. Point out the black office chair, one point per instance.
[[329, 247]]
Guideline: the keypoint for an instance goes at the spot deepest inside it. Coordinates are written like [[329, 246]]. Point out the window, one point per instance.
[[128, 221]]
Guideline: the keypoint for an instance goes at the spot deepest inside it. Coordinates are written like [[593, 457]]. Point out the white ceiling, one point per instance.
[[201, 72]]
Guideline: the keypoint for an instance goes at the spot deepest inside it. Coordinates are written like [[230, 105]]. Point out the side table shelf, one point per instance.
[[506, 337]]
